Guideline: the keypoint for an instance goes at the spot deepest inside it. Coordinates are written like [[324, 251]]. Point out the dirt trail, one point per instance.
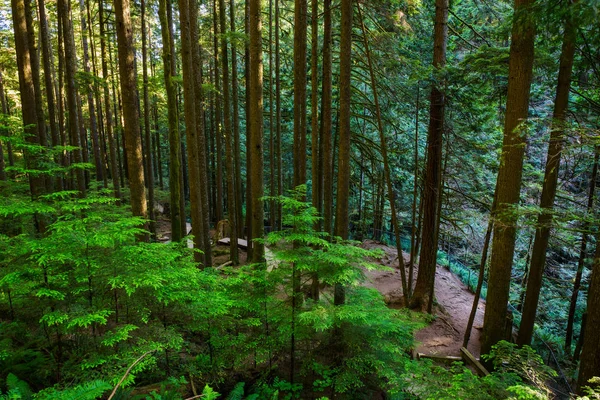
[[444, 335], [454, 301]]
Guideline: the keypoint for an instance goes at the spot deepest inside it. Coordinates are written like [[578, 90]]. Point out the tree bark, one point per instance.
[[544, 223], [133, 144], [256, 128], [326, 120], [300, 11], [508, 185], [64, 12], [590, 352], [432, 183], [177, 215], [147, 138], [582, 255], [112, 146], [343, 190], [229, 161]]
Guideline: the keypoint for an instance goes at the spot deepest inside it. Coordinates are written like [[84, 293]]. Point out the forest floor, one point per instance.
[[444, 336]]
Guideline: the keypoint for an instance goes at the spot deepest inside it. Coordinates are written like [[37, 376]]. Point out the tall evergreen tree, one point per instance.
[[508, 186]]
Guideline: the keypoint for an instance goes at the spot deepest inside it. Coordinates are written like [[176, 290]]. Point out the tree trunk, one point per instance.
[[590, 352], [90, 97], [509, 175], [326, 120], [278, 171], [229, 162], [112, 146], [64, 12], [300, 11], [48, 80], [203, 181], [133, 144], [582, 255], [177, 215], [147, 138], [386, 163], [27, 91], [413, 236], [218, 118], [236, 128], [422, 296], [544, 223], [316, 157], [256, 128], [343, 188]]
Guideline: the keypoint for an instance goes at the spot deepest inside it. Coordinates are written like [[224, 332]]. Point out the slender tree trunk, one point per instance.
[[316, 161], [218, 117], [386, 163], [480, 278], [256, 128], [236, 128], [272, 167], [229, 161], [509, 175], [48, 80], [27, 91], [590, 352], [4, 131], [147, 137], [582, 255], [326, 120], [343, 180], [177, 216], [90, 97], [279, 166], [544, 223], [64, 12], [422, 295], [130, 111], [249, 152], [203, 181], [112, 146], [300, 11], [413, 237]]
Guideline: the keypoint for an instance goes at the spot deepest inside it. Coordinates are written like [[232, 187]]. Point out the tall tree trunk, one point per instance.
[[316, 160], [177, 216], [27, 91], [326, 120], [236, 128], [590, 352], [249, 151], [256, 129], [386, 163], [422, 296], [147, 139], [343, 179], [203, 181], [133, 143], [272, 202], [218, 117], [413, 236], [64, 12], [190, 125], [229, 162], [112, 145], [278, 169], [544, 223], [90, 97], [509, 175], [300, 11], [48, 80], [582, 255]]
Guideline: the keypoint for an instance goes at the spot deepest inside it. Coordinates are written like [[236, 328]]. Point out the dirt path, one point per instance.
[[454, 301], [444, 335]]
